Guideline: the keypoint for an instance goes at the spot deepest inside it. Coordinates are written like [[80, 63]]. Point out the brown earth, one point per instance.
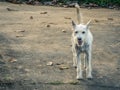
[[32, 36]]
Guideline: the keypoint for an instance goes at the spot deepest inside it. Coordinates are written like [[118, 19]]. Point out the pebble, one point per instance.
[[64, 31], [31, 17], [49, 63], [48, 25]]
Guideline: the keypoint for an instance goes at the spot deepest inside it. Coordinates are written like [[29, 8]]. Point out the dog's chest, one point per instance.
[[83, 48]]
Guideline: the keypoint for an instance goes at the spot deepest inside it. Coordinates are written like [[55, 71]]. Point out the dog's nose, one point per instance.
[[79, 39]]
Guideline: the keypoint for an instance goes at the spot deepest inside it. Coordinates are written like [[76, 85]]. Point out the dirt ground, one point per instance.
[[32, 36]]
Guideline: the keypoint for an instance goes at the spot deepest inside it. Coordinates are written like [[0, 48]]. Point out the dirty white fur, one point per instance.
[[82, 33]]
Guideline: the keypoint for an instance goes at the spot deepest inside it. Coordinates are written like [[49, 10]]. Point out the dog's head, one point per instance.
[[80, 32]]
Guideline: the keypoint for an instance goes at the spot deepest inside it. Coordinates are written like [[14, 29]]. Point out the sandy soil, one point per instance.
[[32, 36]]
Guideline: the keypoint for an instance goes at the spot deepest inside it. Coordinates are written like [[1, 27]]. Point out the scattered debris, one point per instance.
[[20, 31], [89, 5], [93, 5], [48, 3], [65, 6], [31, 17], [115, 44], [71, 4], [19, 35], [49, 63], [9, 9], [34, 2], [43, 12], [12, 60], [58, 63], [52, 23], [67, 17], [110, 18]]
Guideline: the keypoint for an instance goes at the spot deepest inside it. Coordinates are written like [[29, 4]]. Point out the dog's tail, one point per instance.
[[78, 13]]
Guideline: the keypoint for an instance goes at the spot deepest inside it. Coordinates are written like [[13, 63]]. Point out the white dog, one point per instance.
[[82, 43]]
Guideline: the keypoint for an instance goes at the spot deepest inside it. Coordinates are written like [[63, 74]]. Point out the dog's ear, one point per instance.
[[88, 24], [73, 24]]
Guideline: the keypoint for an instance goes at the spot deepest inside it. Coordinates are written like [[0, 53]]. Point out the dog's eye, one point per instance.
[[83, 32], [76, 32]]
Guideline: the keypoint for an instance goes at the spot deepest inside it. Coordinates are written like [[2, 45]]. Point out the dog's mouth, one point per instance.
[[80, 42]]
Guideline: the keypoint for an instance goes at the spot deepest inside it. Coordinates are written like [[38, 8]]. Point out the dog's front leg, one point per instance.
[[89, 76], [74, 57], [85, 61], [79, 67]]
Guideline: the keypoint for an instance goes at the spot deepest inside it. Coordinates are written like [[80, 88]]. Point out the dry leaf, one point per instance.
[[96, 20], [110, 18], [12, 60], [43, 13], [64, 31], [19, 35], [67, 17], [62, 67], [20, 31]]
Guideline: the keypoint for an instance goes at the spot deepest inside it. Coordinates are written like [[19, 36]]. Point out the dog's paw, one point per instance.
[[89, 77], [79, 77], [75, 66]]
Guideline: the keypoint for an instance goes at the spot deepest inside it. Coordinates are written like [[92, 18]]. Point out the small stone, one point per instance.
[[110, 18], [64, 31], [48, 25], [22, 31], [49, 63], [27, 70], [31, 17], [96, 20], [39, 65], [20, 67], [58, 64]]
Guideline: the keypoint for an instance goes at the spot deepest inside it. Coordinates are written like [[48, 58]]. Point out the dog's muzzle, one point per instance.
[[79, 41]]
